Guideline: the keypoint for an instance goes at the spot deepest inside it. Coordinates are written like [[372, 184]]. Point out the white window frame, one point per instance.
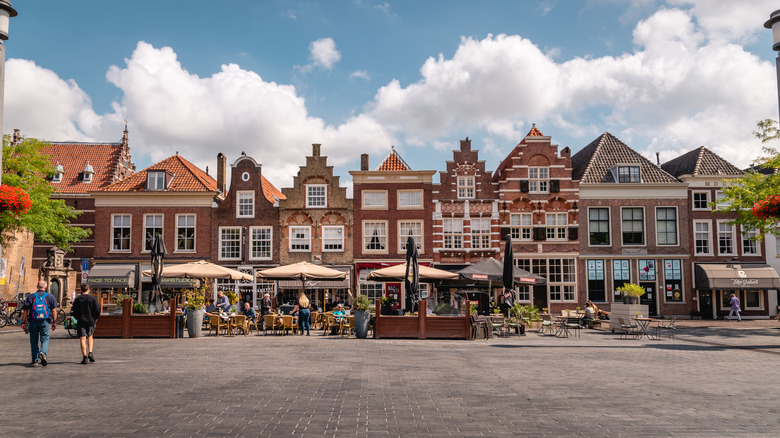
[[128, 226], [299, 235], [466, 187], [452, 231], [245, 200], [555, 230], [310, 198], [403, 236], [538, 180], [367, 236], [733, 238], [330, 240], [480, 232], [371, 202], [644, 227], [223, 241], [565, 282], [676, 226], [629, 167], [87, 177], [745, 235], [253, 253], [709, 237], [718, 196], [56, 178], [155, 180], [180, 227], [609, 227], [522, 226], [149, 243], [706, 194], [400, 201]]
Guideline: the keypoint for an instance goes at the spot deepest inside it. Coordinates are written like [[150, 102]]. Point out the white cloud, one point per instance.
[[323, 53], [360, 74], [735, 21]]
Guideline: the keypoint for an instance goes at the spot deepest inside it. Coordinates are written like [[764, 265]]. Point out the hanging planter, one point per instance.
[[767, 208], [14, 200]]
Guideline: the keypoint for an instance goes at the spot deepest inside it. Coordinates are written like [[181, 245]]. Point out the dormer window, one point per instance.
[[628, 174], [155, 180], [86, 174], [58, 172]]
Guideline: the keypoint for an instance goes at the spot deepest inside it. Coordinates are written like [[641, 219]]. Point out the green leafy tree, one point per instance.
[[744, 192], [25, 167]]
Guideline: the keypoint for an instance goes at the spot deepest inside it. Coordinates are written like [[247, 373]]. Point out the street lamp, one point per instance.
[[774, 24], [6, 12]]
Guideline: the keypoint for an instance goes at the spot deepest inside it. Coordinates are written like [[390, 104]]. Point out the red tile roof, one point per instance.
[[270, 191], [534, 132], [187, 178], [73, 157], [393, 162]]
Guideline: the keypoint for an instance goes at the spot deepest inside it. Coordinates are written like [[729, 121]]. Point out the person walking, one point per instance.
[[39, 316], [86, 311], [734, 301], [304, 314]]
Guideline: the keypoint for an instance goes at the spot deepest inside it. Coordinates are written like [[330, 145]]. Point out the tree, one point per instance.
[[755, 185], [25, 167]]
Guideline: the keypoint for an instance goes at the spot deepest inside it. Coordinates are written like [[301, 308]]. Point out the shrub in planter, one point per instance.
[[387, 305], [362, 316], [632, 291], [140, 308], [195, 298]]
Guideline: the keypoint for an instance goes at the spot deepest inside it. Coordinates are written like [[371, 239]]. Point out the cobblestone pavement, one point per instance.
[[718, 380]]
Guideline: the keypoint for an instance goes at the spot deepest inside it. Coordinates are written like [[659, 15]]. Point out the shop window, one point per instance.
[[673, 280], [597, 288]]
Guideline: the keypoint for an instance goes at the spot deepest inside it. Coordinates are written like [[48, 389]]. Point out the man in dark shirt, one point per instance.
[[265, 308], [249, 312], [86, 311], [40, 321]]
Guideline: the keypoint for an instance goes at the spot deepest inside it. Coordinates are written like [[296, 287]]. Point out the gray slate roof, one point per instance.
[[700, 162], [594, 163]]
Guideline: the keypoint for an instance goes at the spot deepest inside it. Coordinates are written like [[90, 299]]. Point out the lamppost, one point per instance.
[[6, 12], [774, 24]]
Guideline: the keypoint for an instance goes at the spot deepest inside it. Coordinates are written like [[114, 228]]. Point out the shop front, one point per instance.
[[108, 280], [750, 282]]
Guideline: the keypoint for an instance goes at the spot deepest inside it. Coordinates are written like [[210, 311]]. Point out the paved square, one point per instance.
[[708, 382]]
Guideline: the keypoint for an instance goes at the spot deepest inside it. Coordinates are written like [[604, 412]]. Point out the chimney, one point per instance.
[[658, 158], [221, 169], [465, 145], [363, 161], [315, 149], [17, 137], [566, 155]]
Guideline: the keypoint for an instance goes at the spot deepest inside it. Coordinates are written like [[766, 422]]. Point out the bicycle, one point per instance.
[[70, 326]]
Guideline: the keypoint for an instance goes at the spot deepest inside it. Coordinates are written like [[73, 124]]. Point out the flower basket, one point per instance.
[[766, 208], [14, 200]]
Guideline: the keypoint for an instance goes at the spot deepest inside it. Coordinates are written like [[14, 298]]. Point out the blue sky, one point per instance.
[[270, 78]]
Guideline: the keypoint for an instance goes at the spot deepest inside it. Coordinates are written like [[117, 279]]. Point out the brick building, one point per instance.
[[391, 203], [538, 206], [245, 232], [725, 257], [634, 215], [315, 219], [172, 198]]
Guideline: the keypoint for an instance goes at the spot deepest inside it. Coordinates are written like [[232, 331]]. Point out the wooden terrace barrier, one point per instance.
[[422, 325]]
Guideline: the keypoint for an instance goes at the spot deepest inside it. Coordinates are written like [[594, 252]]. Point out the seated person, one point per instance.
[[295, 310], [166, 306], [339, 313], [249, 312], [591, 311], [210, 307]]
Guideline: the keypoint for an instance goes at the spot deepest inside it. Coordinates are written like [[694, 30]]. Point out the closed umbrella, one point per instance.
[[158, 254], [509, 275], [412, 277]]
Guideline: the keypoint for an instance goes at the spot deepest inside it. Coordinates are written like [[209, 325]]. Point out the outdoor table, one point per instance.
[[643, 324]]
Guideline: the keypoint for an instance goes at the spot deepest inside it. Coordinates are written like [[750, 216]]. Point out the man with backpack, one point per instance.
[[86, 310], [39, 316]]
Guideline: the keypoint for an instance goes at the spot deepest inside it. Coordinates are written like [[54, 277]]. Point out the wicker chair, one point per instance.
[[216, 323]]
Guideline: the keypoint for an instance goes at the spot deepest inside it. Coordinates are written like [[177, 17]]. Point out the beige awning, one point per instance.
[[107, 275], [736, 276], [321, 284], [398, 273]]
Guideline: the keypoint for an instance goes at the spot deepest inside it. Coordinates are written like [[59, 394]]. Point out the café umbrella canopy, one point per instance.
[[202, 269], [302, 271], [398, 273]]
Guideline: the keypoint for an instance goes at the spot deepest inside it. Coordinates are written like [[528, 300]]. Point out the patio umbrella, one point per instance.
[[509, 274], [412, 277], [398, 273], [302, 271], [202, 269], [158, 254], [493, 270]]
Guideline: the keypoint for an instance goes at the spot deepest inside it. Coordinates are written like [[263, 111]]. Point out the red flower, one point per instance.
[[14, 199], [766, 208]]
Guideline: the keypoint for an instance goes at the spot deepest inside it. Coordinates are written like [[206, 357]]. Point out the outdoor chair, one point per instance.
[[669, 326], [498, 324], [627, 329], [479, 329], [347, 325], [250, 323], [238, 322], [573, 324], [547, 325], [216, 323], [288, 323], [270, 324]]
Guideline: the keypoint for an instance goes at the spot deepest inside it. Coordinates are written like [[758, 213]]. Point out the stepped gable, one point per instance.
[[594, 163], [187, 178], [700, 162], [534, 132], [393, 162], [74, 157]]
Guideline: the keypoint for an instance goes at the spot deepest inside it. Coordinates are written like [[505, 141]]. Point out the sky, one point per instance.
[[269, 78]]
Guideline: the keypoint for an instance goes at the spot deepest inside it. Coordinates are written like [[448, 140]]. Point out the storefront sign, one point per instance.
[[479, 276], [745, 282]]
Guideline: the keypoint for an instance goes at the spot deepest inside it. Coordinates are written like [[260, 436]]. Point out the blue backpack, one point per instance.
[[40, 308]]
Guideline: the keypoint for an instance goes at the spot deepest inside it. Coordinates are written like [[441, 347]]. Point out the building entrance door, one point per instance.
[[650, 298], [705, 304], [540, 297]]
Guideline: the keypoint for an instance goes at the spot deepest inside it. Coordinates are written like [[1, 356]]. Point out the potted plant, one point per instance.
[[524, 314], [195, 298], [631, 292], [362, 316], [140, 308], [473, 307], [387, 305], [232, 298]]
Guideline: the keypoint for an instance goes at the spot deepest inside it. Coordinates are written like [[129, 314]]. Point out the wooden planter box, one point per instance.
[[128, 325], [422, 326]]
